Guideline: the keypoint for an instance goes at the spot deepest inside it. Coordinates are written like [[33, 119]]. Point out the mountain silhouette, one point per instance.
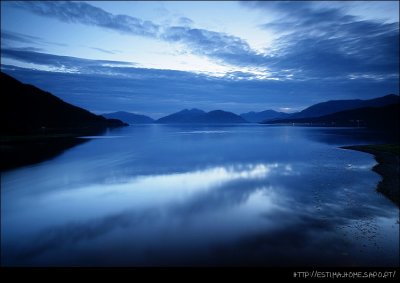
[[26, 109], [334, 106], [199, 116], [129, 118], [257, 117], [384, 117]]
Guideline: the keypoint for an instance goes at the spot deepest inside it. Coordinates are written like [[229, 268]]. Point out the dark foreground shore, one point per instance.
[[34, 147], [16, 151], [387, 156]]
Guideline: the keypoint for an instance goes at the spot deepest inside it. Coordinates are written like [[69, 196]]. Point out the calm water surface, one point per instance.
[[201, 195]]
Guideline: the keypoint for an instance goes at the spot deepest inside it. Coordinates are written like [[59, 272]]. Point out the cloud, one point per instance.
[[217, 45], [227, 48], [103, 50], [80, 12], [28, 49], [8, 37], [316, 41], [18, 37], [52, 62], [326, 42], [184, 21], [64, 63]]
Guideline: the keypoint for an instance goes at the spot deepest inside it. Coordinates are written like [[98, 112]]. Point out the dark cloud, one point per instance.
[[300, 15], [346, 49], [327, 43]]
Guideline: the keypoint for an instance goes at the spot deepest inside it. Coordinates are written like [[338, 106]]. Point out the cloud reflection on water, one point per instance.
[[84, 213], [153, 188]]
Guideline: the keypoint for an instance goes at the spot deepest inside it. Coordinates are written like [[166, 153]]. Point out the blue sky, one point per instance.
[[155, 57]]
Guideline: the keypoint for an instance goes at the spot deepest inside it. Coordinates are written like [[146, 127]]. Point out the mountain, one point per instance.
[[184, 116], [384, 117], [129, 118], [199, 116], [26, 109], [257, 117], [334, 106], [220, 116]]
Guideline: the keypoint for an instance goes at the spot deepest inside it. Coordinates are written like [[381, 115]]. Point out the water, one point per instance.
[[201, 195]]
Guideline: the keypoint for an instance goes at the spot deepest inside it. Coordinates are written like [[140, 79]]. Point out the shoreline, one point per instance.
[[387, 157], [17, 151]]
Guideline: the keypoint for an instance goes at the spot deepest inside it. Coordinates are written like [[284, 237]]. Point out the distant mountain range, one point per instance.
[[199, 116], [194, 115], [26, 109], [383, 117], [129, 118], [320, 109], [257, 117], [333, 106]]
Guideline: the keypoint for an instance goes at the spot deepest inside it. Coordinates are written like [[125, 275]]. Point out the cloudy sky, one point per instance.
[[156, 58]]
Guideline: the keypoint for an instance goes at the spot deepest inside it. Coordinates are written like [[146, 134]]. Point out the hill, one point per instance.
[[199, 116], [26, 110], [257, 117], [333, 106], [384, 117], [130, 118]]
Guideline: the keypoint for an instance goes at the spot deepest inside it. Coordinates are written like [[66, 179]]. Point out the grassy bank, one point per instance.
[[387, 156]]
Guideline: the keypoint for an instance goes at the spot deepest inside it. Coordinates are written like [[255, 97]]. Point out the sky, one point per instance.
[[155, 58]]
